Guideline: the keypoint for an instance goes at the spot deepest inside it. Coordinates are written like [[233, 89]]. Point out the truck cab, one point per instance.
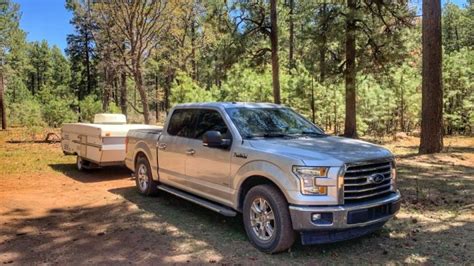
[[280, 171]]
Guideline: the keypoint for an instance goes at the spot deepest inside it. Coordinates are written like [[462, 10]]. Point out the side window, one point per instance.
[[182, 123], [211, 120]]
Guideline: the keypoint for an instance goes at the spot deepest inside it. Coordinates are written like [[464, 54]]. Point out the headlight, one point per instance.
[[308, 176]]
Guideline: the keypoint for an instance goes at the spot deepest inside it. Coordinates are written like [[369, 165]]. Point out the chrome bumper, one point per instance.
[[345, 216]]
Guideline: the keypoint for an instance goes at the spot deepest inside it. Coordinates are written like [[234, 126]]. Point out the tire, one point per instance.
[[143, 178], [283, 236], [81, 164]]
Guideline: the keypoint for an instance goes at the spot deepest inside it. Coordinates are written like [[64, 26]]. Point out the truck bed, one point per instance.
[[142, 140]]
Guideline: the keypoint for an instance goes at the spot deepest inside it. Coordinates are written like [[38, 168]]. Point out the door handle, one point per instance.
[[190, 152], [162, 146]]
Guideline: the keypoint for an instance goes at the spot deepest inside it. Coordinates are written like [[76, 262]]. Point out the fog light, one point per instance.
[[316, 216], [323, 218]]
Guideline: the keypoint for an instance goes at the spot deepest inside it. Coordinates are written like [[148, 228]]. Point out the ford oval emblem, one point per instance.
[[376, 178]]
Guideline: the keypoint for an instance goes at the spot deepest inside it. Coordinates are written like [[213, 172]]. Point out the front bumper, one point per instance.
[[347, 216]]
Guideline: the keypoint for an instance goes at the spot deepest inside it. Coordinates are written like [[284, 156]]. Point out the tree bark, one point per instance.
[[141, 90], [157, 102], [322, 49], [274, 44], [350, 127], [432, 89], [313, 109], [107, 90], [88, 63], [123, 93], [193, 49], [291, 63], [3, 111]]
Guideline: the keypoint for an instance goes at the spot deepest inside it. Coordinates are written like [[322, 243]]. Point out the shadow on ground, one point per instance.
[[92, 175], [167, 229], [437, 185]]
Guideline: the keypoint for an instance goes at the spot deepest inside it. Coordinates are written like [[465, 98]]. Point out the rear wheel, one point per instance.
[[143, 178], [267, 219]]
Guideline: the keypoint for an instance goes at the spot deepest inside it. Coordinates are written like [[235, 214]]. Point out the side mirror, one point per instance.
[[213, 139]]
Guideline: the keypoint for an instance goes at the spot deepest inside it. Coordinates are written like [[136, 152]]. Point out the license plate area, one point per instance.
[[373, 213]]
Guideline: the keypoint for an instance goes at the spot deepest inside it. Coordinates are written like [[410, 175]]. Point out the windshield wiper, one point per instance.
[[310, 133], [268, 135]]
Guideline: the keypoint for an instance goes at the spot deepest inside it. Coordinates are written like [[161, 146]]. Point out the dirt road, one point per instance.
[[50, 213]]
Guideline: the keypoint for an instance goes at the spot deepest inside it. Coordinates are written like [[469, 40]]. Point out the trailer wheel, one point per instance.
[[143, 178], [80, 163]]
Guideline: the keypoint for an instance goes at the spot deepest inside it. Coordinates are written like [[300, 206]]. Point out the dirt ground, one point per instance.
[[52, 214]]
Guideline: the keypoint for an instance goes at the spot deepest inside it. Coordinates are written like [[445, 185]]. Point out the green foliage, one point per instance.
[[89, 107], [25, 113], [113, 109], [185, 90], [220, 51], [246, 85], [458, 81], [56, 112]]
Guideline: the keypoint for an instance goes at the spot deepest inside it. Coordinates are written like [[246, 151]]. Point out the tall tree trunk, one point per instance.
[[123, 93], [402, 105], [350, 127], [143, 95], [193, 49], [322, 49], [313, 109], [3, 111], [291, 63], [335, 112], [138, 78], [107, 90], [88, 63], [157, 102], [274, 41], [116, 90], [169, 79], [432, 89]]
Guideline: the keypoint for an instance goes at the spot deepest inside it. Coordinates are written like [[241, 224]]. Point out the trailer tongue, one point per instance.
[[101, 143]]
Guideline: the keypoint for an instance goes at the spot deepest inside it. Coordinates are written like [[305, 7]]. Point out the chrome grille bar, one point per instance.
[[368, 169], [367, 180]]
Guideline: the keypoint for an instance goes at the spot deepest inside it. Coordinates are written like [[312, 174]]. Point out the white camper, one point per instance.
[[101, 143]]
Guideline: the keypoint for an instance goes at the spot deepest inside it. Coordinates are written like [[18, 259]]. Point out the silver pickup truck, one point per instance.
[[265, 161]]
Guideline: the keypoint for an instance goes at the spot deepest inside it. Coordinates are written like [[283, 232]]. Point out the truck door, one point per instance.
[[208, 169], [172, 147]]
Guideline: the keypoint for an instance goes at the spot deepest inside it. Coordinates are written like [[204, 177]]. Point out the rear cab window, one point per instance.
[[182, 123]]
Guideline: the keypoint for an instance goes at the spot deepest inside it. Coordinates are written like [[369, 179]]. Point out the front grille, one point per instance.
[[359, 184]]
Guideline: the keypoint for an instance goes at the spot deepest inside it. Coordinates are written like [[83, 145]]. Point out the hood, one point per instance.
[[328, 150]]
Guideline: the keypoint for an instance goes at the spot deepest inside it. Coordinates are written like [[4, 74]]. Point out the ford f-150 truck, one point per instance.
[[280, 171]]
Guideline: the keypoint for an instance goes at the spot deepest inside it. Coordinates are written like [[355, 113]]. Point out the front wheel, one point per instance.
[[143, 178], [267, 219]]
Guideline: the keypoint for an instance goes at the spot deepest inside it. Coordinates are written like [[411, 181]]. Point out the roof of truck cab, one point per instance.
[[229, 105]]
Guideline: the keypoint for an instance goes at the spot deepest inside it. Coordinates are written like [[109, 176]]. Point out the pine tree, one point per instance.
[[432, 89]]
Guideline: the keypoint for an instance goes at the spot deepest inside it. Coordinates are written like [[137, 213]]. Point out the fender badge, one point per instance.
[[240, 155]]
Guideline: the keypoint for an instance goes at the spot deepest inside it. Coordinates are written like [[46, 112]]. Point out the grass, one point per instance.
[[29, 155], [434, 226]]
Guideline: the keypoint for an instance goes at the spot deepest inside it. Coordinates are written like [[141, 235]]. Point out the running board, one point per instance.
[[226, 211]]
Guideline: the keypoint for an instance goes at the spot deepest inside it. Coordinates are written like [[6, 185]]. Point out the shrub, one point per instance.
[[88, 108]]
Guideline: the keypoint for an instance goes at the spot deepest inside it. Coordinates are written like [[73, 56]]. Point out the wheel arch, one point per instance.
[[249, 183], [141, 149], [261, 172]]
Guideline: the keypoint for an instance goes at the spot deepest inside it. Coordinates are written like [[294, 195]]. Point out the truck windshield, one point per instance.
[[271, 123]]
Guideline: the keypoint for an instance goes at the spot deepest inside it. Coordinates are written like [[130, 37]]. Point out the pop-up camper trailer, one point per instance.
[[101, 143]]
